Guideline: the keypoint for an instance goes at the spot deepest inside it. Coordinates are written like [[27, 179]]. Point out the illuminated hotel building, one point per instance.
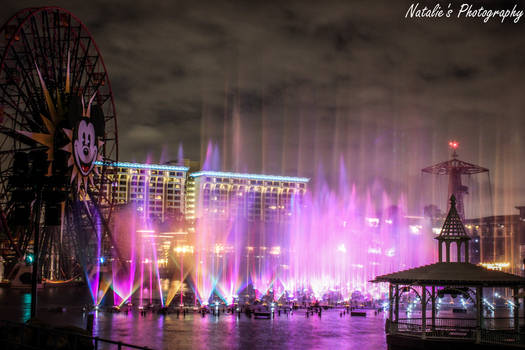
[[156, 190], [257, 198], [171, 193], [499, 241]]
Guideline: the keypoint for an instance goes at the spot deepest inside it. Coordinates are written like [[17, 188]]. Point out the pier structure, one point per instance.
[[475, 322]]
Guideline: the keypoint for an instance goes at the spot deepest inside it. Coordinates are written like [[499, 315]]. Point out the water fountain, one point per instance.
[[334, 243]]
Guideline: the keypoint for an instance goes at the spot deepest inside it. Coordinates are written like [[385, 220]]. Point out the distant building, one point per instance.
[[162, 192], [256, 198], [157, 191], [498, 242]]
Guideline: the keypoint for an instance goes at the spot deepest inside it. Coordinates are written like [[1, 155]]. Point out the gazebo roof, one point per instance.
[[453, 274], [453, 229]]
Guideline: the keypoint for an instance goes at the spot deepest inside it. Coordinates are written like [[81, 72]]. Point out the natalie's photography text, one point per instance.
[[465, 10]]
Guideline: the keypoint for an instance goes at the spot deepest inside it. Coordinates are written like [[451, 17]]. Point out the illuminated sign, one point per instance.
[[496, 265]]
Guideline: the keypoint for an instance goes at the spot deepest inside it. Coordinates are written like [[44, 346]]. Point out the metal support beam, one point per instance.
[[479, 313], [390, 304], [433, 307], [516, 311], [423, 312], [36, 254], [523, 301], [397, 302]]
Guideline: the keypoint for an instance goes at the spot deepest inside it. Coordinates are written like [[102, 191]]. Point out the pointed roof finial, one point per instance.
[[453, 201], [453, 228]]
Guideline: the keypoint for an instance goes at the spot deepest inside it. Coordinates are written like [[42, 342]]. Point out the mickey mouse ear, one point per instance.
[[97, 118], [74, 111]]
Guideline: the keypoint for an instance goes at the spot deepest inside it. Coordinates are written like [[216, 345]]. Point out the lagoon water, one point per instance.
[[196, 332]]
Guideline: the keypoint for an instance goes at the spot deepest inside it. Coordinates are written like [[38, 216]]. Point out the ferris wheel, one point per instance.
[[57, 123]]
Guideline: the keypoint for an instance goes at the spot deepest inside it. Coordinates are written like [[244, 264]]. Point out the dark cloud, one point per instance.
[[283, 86]]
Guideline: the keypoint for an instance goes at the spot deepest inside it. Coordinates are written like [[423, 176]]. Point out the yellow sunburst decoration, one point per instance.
[[84, 138]]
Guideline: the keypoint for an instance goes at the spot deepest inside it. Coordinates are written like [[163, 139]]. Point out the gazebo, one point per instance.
[[457, 278]]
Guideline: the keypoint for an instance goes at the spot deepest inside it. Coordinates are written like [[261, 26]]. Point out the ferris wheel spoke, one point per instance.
[[21, 139], [28, 51], [15, 122], [68, 36], [46, 49], [8, 97], [20, 121], [50, 45], [28, 83], [29, 149], [55, 44], [89, 78], [76, 40], [80, 73], [38, 44], [61, 43]]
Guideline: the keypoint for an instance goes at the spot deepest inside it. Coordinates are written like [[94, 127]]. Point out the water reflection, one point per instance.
[[26, 307], [196, 332]]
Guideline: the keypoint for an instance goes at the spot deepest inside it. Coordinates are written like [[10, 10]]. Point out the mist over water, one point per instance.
[[335, 242], [328, 243]]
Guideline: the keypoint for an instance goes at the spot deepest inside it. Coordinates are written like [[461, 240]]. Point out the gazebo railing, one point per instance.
[[441, 322], [492, 323], [443, 329], [497, 330], [500, 336]]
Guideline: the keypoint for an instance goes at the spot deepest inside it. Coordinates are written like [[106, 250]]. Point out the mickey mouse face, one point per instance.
[[85, 146]]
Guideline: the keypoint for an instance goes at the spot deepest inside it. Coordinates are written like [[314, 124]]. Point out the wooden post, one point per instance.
[[36, 255], [447, 247], [389, 322], [390, 304], [467, 258], [458, 248], [479, 313], [433, 307], [440, 246], [516, 310], [423, 312], [397, 302]]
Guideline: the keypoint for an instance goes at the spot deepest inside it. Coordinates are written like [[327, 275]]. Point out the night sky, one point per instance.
[[309, 87]]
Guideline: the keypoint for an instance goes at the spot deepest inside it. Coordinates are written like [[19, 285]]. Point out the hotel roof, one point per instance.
[[144, 166], [249, 176]]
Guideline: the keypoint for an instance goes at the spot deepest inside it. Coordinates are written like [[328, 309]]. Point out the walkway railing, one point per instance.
[[23, 336]]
